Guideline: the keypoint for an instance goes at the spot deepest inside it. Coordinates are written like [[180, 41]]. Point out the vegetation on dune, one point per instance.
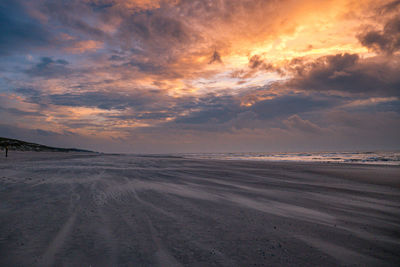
[[14, 144]]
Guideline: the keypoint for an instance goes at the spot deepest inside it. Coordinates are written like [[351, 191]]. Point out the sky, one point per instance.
[[167, 76]]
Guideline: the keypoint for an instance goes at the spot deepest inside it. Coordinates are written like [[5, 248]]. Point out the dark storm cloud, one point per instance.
[[18, 30], [102, 100], [169, 28], [100, 7], [27, 91], [389, 7], [71, 14], [152, 42], [144, 103], [386, 40], [144, 116], [346, 73], [204, 112], [48, 67], [212, 109], [227, 109], [153, 30], [31, 95], [153, 105], [291, 104], [147, 67], [116, 58], [18, 112]]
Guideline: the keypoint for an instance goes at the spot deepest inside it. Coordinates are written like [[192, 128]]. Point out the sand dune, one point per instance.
[[77, 209]]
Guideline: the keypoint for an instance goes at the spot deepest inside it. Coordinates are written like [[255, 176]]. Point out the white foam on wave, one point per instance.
[[383, 158]]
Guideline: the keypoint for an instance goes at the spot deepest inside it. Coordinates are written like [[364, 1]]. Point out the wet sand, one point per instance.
[[77, 209]]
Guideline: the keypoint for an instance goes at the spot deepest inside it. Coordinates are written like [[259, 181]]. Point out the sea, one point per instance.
[[375, 157]]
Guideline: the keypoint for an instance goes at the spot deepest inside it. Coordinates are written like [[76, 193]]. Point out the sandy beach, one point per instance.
[[83, 209]]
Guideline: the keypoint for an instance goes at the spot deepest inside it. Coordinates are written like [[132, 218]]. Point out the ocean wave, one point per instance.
[[387, 158]]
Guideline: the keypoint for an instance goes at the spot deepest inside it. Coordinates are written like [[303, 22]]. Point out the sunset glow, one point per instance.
[[178, 76]]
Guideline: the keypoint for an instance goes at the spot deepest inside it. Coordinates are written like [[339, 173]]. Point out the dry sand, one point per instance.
[[76, 209]]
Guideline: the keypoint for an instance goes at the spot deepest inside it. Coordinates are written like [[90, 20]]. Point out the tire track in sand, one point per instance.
[[49, 256], [163, 257], [58, 241]]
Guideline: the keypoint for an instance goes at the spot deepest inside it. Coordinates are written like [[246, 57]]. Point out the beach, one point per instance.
[[90, 209]]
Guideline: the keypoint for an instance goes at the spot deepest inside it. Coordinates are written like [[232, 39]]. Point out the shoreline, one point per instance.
[[182, 156], [388, 174]]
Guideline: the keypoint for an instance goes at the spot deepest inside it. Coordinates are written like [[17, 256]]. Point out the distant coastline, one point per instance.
[[18, 145]]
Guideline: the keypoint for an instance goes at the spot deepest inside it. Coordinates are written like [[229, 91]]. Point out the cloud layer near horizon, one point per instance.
[[180, 75]]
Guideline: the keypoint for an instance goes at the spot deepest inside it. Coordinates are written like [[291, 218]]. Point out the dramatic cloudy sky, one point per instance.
[[201, 76]]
